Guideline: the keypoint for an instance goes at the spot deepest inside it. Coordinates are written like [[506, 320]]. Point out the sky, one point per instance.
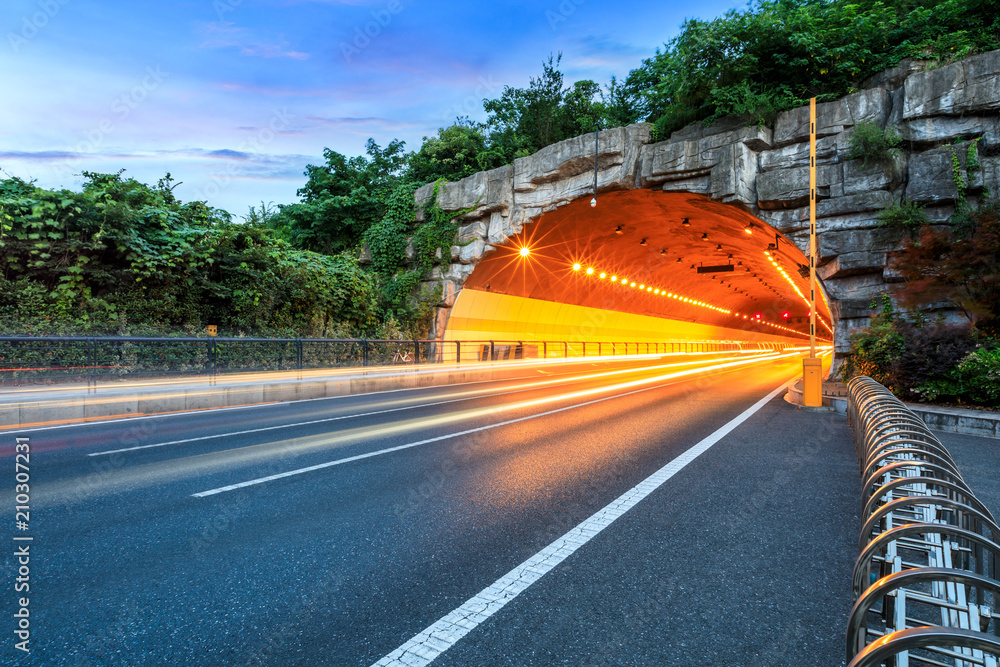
[[235, 97]]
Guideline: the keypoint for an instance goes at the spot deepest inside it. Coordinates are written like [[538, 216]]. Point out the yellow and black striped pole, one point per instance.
[[812, 368]]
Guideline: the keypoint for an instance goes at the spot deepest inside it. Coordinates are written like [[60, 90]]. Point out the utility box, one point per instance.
[[812, 383], [212, 329]]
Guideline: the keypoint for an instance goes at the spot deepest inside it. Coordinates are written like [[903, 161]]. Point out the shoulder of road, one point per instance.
[[951, 420]]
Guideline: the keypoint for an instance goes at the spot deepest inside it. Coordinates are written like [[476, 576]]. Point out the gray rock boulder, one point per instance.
[[967, 86], [833, 117], [931, 177]]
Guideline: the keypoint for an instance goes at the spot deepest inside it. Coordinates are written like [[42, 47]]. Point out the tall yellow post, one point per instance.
[[812, 368]]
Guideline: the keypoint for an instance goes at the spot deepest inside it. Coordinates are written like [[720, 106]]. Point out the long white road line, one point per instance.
[[427, 645]]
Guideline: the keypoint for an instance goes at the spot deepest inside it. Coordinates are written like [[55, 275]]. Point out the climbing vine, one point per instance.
[[437, 233], [962, 219]]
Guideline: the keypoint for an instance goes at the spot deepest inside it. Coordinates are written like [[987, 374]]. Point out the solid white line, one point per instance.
[[427, 645]]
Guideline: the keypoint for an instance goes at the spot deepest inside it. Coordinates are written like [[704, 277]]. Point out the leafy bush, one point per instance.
[[908, 215], [975, 380], [876, 350], [873, 144], [930, 351], [122, 257], [958, 265]]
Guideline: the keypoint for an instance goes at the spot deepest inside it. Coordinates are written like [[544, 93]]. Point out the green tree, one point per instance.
[[452, 155], [342, 198]]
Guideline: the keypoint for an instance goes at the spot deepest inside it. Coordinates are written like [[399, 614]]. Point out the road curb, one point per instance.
[[950, 420]]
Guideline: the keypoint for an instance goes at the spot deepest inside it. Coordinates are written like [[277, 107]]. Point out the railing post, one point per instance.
[[364, 353], [416, 352], [545, 350], [491, 351], [565, 350], [584, 343], [298, 345], [458, 351]]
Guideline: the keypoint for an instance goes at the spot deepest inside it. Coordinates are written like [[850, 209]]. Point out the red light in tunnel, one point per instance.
[[785, 315]]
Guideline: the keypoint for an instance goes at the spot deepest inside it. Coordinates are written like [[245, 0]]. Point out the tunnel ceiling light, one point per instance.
[[614, 279], [525, 251], [603, 275], [718, 246], [619, 230], [686, 222], [695, 302], [590, 270], [704, 237], [593, 202], [663, 251], [749, 228], [642, 242]]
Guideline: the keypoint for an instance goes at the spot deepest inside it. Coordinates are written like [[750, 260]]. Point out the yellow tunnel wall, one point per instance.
[[481, 315]]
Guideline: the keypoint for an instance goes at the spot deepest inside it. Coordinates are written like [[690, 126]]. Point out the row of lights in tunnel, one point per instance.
[[656, 291], [748, 229], [795, 287]]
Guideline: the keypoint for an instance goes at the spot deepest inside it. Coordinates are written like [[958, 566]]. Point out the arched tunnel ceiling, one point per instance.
[[653, 248]]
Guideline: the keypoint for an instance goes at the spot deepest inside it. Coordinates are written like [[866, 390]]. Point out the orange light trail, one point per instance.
[[795, 287]]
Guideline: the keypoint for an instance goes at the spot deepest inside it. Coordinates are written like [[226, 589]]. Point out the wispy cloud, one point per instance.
[[224, 34]]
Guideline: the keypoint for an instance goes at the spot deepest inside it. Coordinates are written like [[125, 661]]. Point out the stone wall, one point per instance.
[[765, 171]]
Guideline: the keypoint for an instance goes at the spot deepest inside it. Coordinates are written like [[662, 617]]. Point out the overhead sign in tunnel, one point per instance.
[[647, 263]]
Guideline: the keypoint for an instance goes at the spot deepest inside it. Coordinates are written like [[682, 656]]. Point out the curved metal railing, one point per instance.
[[925, 583]]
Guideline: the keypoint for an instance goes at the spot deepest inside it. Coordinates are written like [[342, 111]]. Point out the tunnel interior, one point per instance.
[[641, 265]]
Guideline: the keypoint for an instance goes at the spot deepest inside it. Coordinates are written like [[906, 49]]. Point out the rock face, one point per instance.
[[764, 171]]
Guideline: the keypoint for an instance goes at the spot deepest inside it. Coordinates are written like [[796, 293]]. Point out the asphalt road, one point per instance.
[[333, 531]]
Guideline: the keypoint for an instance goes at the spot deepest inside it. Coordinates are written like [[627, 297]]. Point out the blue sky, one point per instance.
[[236, 97]]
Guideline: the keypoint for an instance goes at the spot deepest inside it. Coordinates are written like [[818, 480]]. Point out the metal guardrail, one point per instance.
[[25, 358], [925, 583]]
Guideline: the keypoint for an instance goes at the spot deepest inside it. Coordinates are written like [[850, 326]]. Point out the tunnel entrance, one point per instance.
[[641, 265]]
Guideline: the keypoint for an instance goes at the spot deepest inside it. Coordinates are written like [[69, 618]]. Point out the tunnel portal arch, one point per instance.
[[642, 265], [679, 219]]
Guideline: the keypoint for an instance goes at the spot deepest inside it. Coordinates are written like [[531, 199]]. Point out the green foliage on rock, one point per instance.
[[873, 144], [907, 215]]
